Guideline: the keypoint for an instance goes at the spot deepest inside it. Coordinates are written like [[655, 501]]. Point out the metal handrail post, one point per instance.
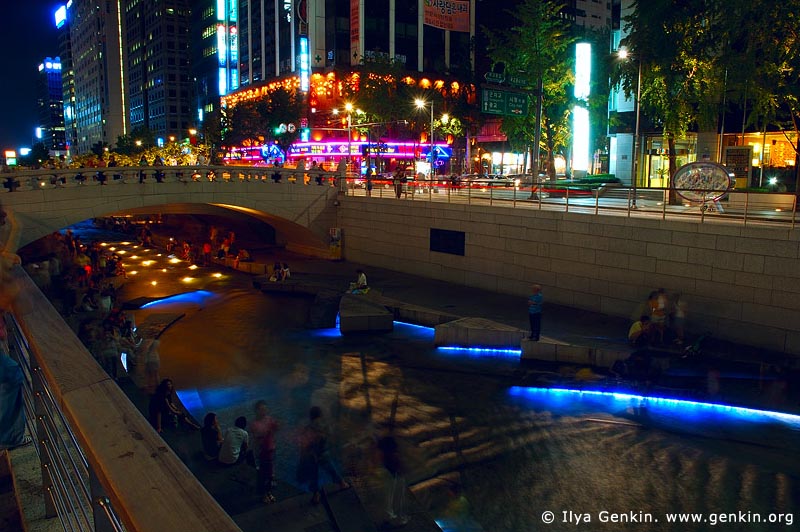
[[469, 194], [539, 195], [44, 457], [514, 199], [566, 200], [629, 202], [664, 201], [104, 518], [746, 205], [491, 192], [794, 210], [597, 201], [430, 190]]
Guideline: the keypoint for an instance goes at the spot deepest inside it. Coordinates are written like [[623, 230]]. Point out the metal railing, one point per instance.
[[27, 180], [103, 467], [745, 207], [740, 207]]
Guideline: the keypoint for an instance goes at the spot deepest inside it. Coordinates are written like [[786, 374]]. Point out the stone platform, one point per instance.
[[554, 351], [360, 314], [477, 332]]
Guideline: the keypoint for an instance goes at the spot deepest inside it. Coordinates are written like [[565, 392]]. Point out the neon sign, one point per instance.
[[304, 64]]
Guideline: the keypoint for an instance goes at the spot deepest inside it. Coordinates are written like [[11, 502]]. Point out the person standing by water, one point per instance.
[[262, 435], [314, 455], [535, 312]]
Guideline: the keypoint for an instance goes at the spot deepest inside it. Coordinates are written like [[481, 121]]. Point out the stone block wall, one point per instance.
[[742, 283]]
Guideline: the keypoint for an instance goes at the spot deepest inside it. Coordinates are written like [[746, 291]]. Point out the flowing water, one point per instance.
[[479, 449], [482, 453]]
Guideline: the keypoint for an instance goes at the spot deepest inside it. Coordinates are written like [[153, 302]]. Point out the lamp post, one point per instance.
[[349, 108], [421, 105]]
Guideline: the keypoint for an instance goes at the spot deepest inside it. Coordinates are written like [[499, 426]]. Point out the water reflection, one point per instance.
[[481, 455]]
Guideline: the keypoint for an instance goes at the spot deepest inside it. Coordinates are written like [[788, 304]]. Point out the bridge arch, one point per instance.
[[300, 214]]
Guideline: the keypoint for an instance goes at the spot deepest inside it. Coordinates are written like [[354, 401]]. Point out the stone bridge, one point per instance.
[[49, 200]]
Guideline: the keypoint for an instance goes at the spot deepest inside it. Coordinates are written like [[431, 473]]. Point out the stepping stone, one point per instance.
[[477, 332], [359, 314]]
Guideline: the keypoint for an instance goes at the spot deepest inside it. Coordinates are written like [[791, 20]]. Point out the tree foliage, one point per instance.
[[255, 122], [677, 46], [535, 48]]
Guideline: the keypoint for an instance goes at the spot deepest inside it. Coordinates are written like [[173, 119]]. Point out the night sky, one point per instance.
[[28, 36]]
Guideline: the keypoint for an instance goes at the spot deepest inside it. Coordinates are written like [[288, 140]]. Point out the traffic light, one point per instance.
[[305, 134]]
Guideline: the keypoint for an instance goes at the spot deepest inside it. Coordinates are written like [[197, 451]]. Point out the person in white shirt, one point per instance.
[[235, 442]]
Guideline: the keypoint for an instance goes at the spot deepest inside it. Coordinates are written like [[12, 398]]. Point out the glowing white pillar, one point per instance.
[[580, 113]]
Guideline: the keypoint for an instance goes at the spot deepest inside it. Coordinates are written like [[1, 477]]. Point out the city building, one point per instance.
[[95, 41], [50, 103], [157, 71], [275, 36], [214, 59], [67, 78]]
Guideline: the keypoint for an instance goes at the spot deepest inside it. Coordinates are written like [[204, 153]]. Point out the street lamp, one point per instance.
[[421, 105], [349, 108], [623, 54]]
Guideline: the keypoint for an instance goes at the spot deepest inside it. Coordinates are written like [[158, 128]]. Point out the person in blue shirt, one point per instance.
[[535, 312]]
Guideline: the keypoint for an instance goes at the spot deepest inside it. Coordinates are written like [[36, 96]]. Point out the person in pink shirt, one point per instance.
[[262, 434]]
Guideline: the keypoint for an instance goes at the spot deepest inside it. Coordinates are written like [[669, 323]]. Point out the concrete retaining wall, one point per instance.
[[741, 283]]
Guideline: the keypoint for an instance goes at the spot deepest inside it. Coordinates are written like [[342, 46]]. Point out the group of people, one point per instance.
[[280, 272], [661, 319], [255, 443]]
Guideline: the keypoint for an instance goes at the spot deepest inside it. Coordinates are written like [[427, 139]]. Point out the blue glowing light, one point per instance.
[[326, 333], [684, 407], [198, 297], [212, 399], [484, 351], [406, 324], [60, 16]]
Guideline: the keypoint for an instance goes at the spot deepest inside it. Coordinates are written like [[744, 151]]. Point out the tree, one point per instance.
[[284, 107], [140, 138], [99, 148], [37, 156], [761, 60], [676, 43], [536, 49]]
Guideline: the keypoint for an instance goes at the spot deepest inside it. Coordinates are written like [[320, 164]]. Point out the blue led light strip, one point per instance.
[[413, 325], [517, 352], [664, 401]]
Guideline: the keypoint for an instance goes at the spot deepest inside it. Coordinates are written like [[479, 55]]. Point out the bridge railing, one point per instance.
[[25, 180], [103, 467], [744, 207]]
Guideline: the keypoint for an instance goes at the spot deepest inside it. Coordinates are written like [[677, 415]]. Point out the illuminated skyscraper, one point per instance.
[[157, 67], [100, 107], [67, 78], [215, 56], [278, 37], [51, 105]]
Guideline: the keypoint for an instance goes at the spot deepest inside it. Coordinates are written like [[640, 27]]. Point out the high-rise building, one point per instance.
[[100, 107], [50, 104], [280, 37], [67, 78], [157, 67], [215, 56]]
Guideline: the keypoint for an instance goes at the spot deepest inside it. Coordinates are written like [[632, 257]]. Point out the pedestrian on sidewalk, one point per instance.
[[535, 301], [315, 455], [394, 464], [262, 436]]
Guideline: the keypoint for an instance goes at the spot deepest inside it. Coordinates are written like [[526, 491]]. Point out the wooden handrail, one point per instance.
[[150, 489]]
